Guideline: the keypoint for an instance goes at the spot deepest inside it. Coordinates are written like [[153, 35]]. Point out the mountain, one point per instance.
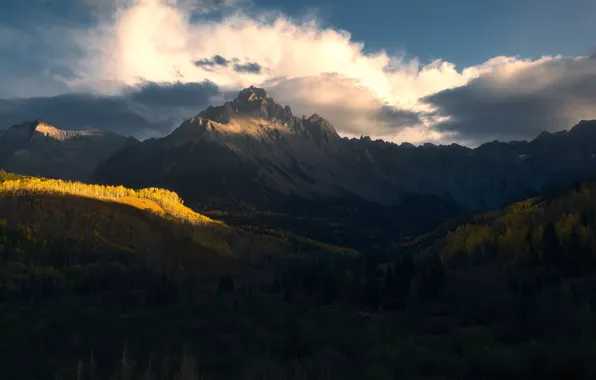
[[247, 150], [491, 175], [37, 148], [253, 150]]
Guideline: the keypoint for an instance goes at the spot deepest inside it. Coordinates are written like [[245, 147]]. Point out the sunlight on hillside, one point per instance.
[[116, 226], [162, 202]]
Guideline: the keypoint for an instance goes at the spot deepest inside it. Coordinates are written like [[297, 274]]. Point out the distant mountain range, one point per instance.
[[253, 152], [37, 148]]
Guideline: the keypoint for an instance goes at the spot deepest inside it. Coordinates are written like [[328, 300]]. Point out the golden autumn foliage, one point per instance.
[[557, 230], [97, 218], [163, 202], [151, 222]]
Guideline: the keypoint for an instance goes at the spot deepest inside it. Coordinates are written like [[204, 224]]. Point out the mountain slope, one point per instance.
[[81, 221], [552, 232], [94, 222], [253, 150], [251, 156], [37, 148], [489, 176], [246, 150]]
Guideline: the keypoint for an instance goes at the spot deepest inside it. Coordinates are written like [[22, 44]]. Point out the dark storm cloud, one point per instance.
[[174, 94], [250, 67], [151, 109], [216, 60], [551, 96], [75, 111], [23, 73], [398, 117]]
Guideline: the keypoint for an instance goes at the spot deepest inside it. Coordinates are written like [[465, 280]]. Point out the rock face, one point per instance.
[[39, 149], [253, 150], [245, 150]]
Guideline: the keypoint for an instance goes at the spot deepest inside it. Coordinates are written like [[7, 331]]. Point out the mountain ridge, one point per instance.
[[258, 136], [252, 147], [39, 148], [251, 107]]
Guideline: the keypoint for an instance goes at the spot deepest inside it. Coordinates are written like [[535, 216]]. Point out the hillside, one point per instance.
[[402, 312], [148, 224], [85, 222], [555, 231], [39, 149]]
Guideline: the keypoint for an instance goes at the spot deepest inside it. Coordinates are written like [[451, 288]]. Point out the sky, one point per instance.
[[461, 71]]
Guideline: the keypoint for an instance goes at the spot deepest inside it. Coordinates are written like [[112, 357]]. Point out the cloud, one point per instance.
[[518, 102], [309, 67], [215, 60], [24, 74], [155, 41], [250, 67], [344, 101], [313, 69], [175, 94], [150, 110], [397, 117], [199, 7], [75, 111]]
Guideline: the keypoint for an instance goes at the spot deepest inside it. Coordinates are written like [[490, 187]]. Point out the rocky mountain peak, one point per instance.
[[315, 118], [39, 148], [584, 128], [252, 93], [254, 112], [251, 101], [38, 128], [321, 124]]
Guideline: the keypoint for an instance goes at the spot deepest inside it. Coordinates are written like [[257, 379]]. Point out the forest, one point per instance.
[[507, 294], [556, 232]]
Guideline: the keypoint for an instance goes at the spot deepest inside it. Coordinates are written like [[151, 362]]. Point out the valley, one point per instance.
[[251, 243]]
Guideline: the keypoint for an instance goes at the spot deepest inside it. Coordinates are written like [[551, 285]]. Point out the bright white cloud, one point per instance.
[[312, 68]]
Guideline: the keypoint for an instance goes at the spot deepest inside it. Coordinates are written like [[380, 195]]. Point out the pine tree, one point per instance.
[[551, 246]]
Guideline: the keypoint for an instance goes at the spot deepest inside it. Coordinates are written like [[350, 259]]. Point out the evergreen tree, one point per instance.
[[551, 246]]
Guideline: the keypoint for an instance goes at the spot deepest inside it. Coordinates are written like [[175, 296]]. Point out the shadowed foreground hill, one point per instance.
[[148, 225]]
